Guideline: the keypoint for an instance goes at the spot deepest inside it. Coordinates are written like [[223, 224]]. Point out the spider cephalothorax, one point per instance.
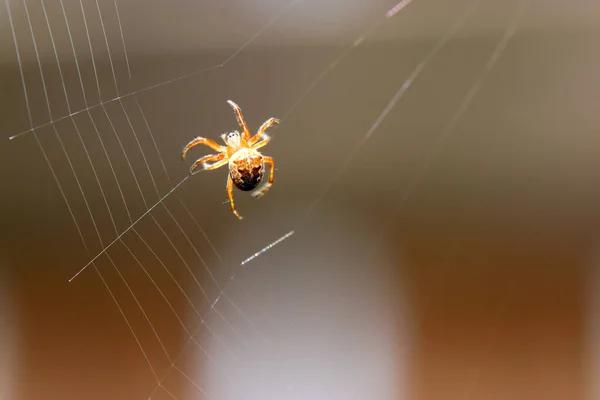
[[246, 164]]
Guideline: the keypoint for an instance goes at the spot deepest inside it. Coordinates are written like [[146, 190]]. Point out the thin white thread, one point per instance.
[[124, 316], [172, 309], [190, 302], [89, 39], [123, 39], [138, 302], [229, 324], [192, 382], [267, 248], [14, 35], [468, 97], [62, 6], [129, 228], [399, 94], [35, 49], [92, 121], [50, 111], [76, 58], [397, 8], [112, 67], [464, 105]]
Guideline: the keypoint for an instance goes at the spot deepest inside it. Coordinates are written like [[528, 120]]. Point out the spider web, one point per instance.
[[106, 142]]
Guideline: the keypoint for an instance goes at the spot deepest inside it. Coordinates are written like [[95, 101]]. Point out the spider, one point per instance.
[[246, 164]]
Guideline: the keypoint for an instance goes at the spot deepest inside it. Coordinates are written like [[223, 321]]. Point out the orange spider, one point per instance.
[[246, 164]]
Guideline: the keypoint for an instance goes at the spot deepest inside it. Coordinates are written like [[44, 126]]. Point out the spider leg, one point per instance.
[[230, 196], [240, 119], [262, 131], [218, 164], [260, 192], [207, 142], [210, 157], [262, 143]]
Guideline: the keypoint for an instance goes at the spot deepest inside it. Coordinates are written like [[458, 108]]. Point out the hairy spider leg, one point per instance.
[[218, 164], [207, 142], [210, 157], [262, 143], [260, 192], [262, 131], [230, 196], [241, 120]]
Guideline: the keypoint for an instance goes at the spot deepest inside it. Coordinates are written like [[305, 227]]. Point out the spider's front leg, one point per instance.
[[261, 134], [207, 142], [230, 196], [260, 192], [211, 157], [240, 119]]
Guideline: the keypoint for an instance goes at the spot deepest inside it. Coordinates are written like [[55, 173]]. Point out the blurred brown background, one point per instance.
[[482, 287]]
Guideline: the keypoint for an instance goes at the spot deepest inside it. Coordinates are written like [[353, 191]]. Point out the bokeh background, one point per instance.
[[477, 279]]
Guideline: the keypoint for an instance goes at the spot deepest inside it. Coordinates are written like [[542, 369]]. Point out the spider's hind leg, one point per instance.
[[230, 196], [260, 192], [220, 158]]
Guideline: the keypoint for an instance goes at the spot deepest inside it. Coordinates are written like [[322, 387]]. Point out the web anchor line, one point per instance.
[[170, 192]]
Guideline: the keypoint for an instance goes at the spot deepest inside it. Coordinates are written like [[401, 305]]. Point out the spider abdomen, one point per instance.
[[246, 169]]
